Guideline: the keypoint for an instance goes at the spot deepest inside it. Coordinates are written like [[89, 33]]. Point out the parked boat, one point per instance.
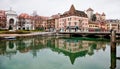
[[10, 37]]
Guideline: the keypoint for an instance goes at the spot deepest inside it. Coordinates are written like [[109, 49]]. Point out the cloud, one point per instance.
[[50, 7]]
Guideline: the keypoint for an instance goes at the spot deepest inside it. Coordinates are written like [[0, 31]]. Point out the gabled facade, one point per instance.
[[73, 20]]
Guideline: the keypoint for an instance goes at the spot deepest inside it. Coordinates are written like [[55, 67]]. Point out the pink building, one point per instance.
[[2, 19], [73, 20]]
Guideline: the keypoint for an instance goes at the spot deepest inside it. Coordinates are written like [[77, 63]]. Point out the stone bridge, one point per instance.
[[100, 34]]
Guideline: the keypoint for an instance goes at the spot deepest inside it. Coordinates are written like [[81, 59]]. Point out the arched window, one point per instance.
[[11, 21]]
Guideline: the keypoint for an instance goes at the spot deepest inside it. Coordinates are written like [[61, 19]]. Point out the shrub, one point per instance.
[[15, 32]]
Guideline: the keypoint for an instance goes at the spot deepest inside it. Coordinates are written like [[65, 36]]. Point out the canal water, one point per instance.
[[58, 53]]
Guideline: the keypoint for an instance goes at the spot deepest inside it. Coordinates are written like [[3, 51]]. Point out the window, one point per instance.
[[69, 23], [69, 19], [75, 23]]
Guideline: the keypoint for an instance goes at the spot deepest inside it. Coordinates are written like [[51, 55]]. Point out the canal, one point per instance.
[[58, 53]]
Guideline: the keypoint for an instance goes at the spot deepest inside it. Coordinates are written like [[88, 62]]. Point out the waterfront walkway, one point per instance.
[[30, 34]]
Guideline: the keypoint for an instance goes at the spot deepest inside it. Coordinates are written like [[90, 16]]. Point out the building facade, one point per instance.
[[12, 20], [95, 16], [53, 22], [73, 20], [113, 24], [97, 21], [39, 21], [25, 22], [2, 19]]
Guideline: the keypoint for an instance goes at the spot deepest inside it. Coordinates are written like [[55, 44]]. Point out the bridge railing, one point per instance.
[[82, 31]]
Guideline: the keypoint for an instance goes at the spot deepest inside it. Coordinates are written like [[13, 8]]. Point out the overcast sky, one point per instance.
[[51, 7]]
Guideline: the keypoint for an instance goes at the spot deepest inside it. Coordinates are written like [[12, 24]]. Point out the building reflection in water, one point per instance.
[[73, 48], [78, 48], [11, 48]]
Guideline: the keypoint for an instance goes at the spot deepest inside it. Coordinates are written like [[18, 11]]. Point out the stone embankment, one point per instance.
[[28, 35]]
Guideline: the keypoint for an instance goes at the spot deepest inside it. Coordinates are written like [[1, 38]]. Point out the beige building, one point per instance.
[[113, 24]]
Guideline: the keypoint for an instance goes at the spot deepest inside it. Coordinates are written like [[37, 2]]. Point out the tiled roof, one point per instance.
[[89, 9], [25, 16], [74, 12]]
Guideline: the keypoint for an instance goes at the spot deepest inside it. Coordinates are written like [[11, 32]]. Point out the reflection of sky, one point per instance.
[[47, 59], [118, 55], [118, 50]]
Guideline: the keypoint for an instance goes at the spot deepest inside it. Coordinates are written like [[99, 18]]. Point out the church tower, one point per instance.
[[103, 16], [89, 13]]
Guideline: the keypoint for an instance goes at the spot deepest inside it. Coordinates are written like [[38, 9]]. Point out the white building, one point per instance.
[[11, 20]]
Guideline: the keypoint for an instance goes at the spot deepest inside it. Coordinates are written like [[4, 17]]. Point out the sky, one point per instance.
[[51, 7]]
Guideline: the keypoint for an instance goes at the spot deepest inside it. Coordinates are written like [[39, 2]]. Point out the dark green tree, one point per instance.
[[94, 17], [10, 27]]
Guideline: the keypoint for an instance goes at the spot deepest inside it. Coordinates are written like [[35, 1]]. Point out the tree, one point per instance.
[[10, 27], [94, 17]]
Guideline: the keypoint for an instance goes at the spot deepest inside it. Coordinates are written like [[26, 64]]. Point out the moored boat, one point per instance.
[[10, 37]]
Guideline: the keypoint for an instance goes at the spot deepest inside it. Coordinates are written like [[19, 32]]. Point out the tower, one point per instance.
[[72, 9], [34, 13], [103, 16], [89, 13]]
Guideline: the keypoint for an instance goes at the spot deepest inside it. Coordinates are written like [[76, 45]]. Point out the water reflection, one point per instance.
[[69, 47], [9, 48], [73, 48], [113, 55], [78, 48]]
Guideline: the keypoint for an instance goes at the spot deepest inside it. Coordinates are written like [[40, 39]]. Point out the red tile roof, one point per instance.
[[2, 13], [75, 12], [90, 9], [25, 16]]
